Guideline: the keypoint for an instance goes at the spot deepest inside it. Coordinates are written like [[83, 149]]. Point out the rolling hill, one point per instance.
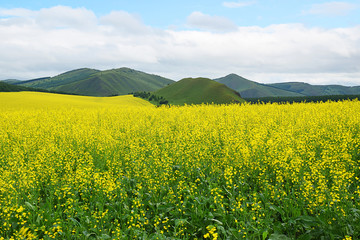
[[93, 82], [52, 83], [11, 81], [7, 87], [116, 82], [317, 90], [197, 91], [122, 81], [251, 89]]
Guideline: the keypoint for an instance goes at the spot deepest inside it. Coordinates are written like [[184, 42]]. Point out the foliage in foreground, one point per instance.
[[214, 172]]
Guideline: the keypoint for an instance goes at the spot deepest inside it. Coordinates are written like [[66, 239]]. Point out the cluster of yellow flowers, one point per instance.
[[212, 232], [75, 167]]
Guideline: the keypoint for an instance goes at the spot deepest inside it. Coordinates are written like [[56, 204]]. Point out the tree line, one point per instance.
[[157, 100]]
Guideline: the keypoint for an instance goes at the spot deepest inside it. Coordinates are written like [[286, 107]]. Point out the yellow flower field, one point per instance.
[[76, 167]]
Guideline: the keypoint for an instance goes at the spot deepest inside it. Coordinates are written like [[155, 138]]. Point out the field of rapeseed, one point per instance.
[[118, 168]]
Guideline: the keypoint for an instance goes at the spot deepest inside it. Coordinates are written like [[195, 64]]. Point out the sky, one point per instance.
[[267, 41]]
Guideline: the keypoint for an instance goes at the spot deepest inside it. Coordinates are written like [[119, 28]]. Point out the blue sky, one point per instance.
[[266, 41], [163, 14]]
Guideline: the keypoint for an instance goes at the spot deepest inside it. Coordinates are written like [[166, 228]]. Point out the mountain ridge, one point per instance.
[[121, 81], [252, 89], [317, 90]]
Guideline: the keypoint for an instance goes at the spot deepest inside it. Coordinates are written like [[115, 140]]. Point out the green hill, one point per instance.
[[11, 81], [197, 91], [317, 90], [251, 89], [52, 83], [6, 87], [93, 82], [116, 82]]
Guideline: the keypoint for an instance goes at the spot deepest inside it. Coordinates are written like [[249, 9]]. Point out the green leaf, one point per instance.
[[217, 221], [277, 236], [75, 221], [306, 219], [29, 205], [305, 236], [265, 234], [104, 236], [276, 209], [180, 222]]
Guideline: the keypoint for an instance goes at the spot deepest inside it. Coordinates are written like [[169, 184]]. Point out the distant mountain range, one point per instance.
[[316, 90], [251, 89], [121, 81]]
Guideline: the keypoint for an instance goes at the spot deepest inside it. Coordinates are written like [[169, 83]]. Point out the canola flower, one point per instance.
[[118, 168]]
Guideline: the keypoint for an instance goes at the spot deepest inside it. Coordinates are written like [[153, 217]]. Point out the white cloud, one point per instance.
[[54, 17], [125, 22], [66, 17], [275, 50], [30, 48], [212, 23], [238, 4], [16, 12], [331, 9]]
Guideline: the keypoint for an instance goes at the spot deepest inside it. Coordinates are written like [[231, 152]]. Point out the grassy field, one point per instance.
[[118, 168]]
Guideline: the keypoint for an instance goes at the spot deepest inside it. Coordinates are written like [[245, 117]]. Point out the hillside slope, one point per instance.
[[93, 82], [11, 81], [197, 91], [52, 83], [116, 82], [317, 90], [251, 89], [6, 87]]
